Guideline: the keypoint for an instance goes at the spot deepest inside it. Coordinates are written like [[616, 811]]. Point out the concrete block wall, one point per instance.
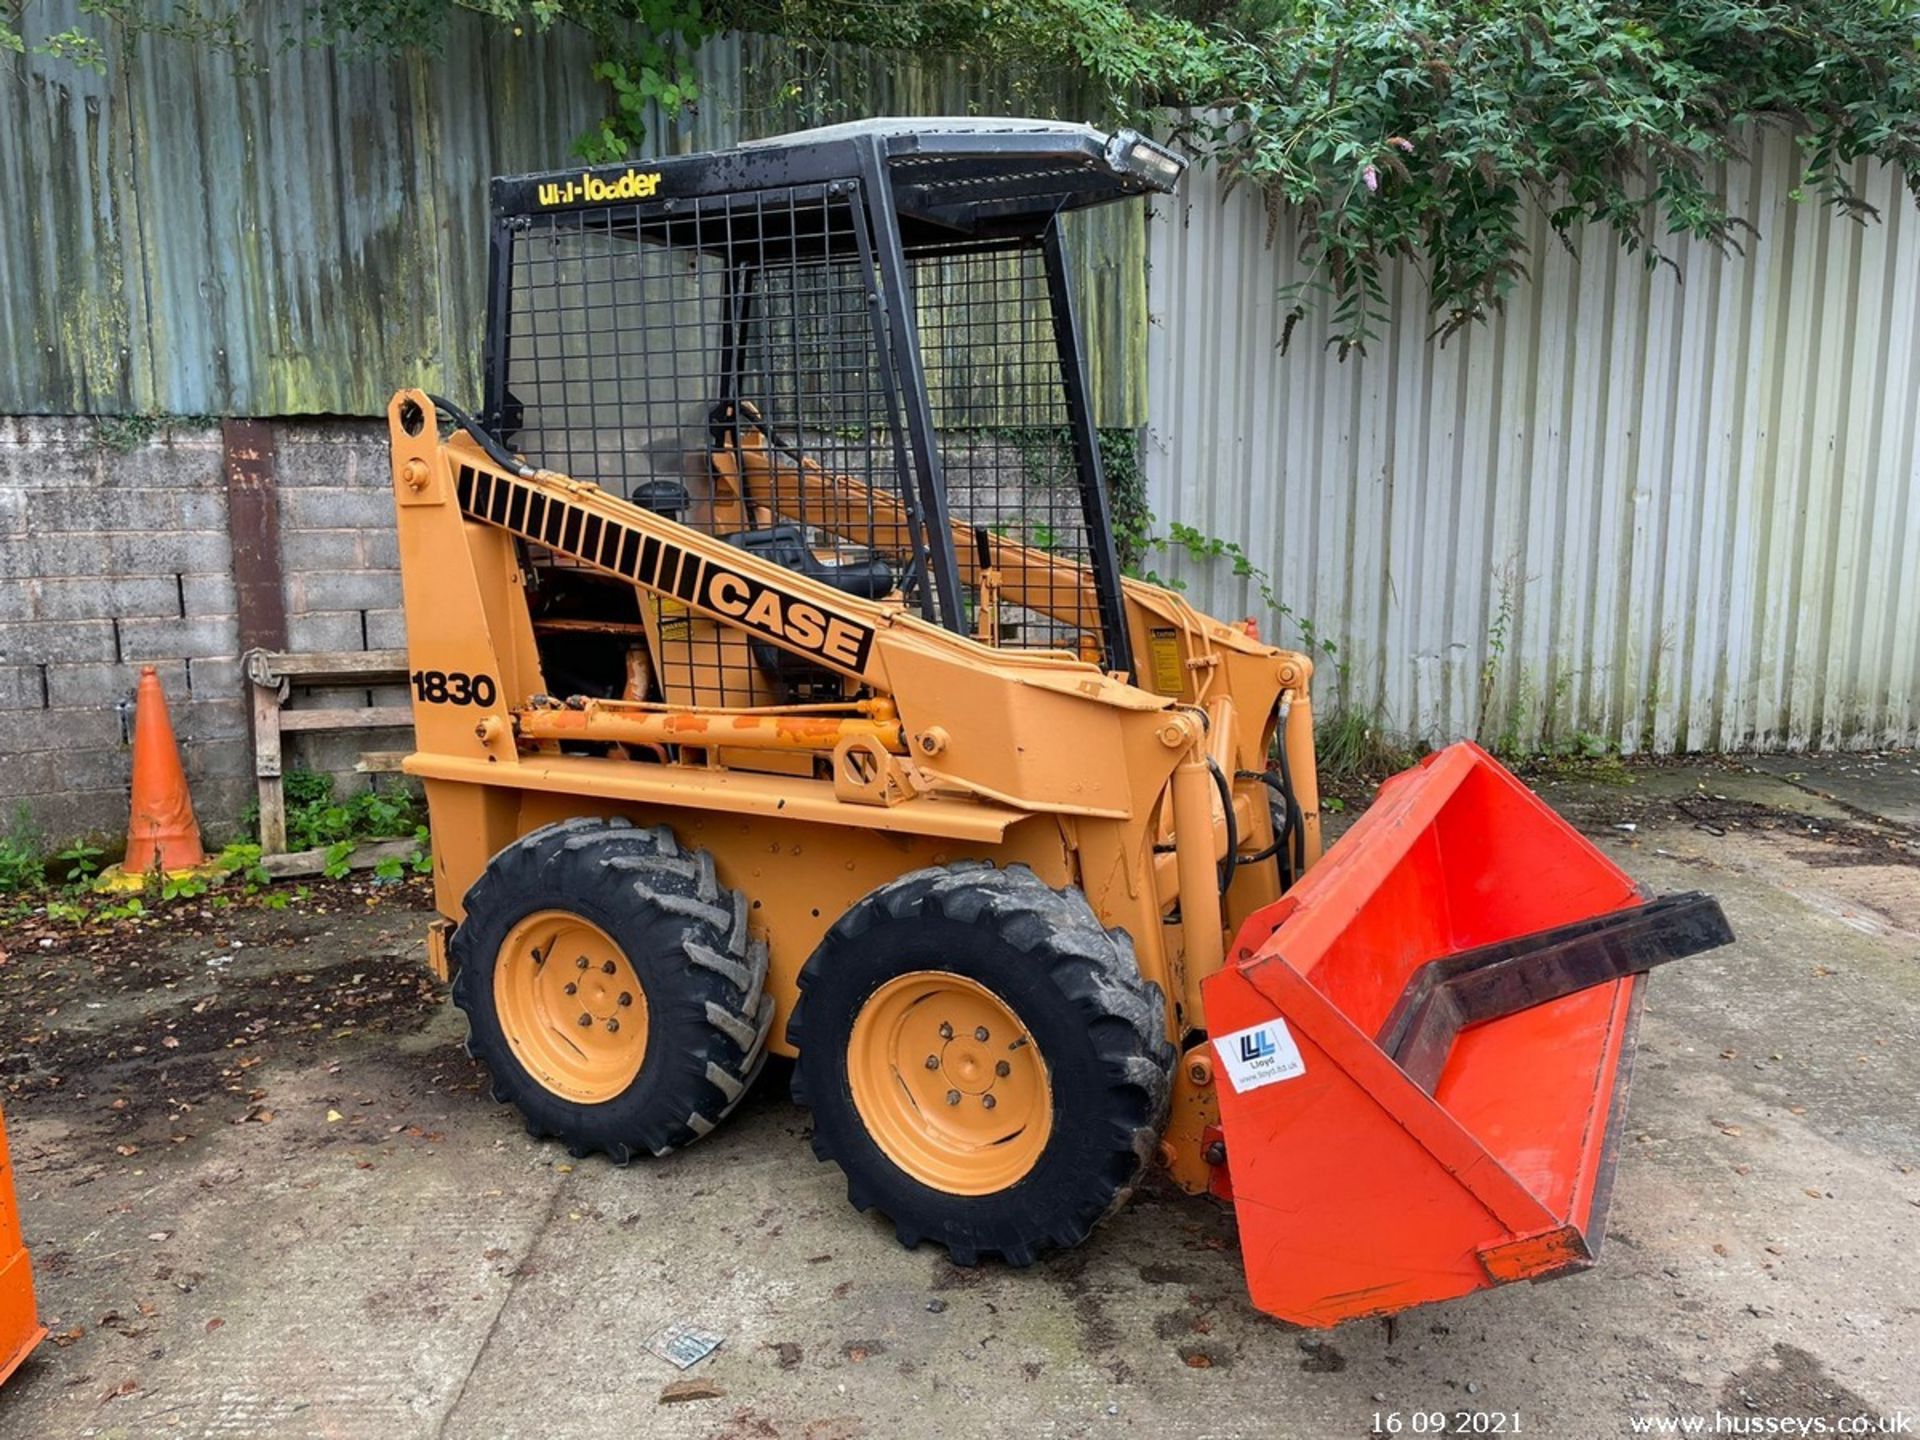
[[113, 559], [337, 548], [341, 565]]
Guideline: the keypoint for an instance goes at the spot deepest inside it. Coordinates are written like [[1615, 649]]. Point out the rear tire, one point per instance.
[[905, 1095], [611, 988]]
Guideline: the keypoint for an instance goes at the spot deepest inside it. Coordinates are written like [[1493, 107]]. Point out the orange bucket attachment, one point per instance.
[[1422, 1049]]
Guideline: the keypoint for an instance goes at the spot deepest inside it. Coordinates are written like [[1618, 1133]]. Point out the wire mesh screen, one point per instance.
[[994, 382], [716, 362], [719, 360]]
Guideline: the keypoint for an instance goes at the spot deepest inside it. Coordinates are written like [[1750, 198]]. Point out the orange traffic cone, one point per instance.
[[161, 833], [20, 1327]]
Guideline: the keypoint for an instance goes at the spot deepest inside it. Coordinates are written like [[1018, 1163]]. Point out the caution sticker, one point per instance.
[[1163, 651], [1260, 1055]]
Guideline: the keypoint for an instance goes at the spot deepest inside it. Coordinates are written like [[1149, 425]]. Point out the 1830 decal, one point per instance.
[[441, 687]]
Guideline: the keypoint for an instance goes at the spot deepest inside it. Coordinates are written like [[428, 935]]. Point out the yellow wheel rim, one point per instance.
[[570, 1006], [949, 1083]]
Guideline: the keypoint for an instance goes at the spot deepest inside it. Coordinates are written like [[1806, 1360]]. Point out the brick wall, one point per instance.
[[110, 560]]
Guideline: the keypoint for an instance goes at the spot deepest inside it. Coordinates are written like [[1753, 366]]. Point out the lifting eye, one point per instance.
[[412, 419]]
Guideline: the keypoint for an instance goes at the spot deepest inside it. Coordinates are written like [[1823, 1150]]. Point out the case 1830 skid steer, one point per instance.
[[778, 689]]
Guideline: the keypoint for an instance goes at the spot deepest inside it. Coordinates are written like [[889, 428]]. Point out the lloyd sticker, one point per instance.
[[1260, 1055]]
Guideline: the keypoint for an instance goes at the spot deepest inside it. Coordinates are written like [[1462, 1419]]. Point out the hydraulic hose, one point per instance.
[[1280, 849], [496, 452], [1289, 847], [1232, 862]]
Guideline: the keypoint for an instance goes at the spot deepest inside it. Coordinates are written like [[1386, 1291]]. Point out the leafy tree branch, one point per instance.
[[1385, 130]]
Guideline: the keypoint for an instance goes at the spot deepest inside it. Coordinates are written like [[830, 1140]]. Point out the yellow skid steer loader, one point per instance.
[[778, 689]]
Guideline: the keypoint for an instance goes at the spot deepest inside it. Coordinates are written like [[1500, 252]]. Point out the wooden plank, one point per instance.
[[347, 666], [589, 627], [364, 717], [365, 856], [266, 769]]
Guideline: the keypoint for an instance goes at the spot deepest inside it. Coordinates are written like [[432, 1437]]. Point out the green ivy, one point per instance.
[[1387, 130], [217, 25], [1426, 130], [1430, 130], [649, 62], [23, 858], [1126, 479], [316, 820], [1198, 546], [644, 47]]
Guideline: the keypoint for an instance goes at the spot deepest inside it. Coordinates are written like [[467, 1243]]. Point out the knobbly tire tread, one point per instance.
[[1100, 1027], [664, 906]]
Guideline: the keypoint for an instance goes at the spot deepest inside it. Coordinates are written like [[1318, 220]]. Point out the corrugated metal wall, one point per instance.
[[1632, 512], [1663, 516], [302, 236]]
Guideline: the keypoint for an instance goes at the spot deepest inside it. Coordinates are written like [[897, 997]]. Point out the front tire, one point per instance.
[[611, 988], [983, 1061]]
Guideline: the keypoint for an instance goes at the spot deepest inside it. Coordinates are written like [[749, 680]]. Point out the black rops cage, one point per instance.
[[853, 350]]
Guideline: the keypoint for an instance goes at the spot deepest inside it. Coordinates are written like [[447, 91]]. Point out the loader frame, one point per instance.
[[1114, 788], [1137, 763], [731, 666]]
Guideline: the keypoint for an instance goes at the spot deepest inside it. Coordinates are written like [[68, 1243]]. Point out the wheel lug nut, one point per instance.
[[953, 1097], [946, 1031], [613, 1027], [572, 988], [933, 1062], [1002, 1069], [988, 1101], [980, 1032], [581, 963], [607, 968], [585, 1019], [625, 998]]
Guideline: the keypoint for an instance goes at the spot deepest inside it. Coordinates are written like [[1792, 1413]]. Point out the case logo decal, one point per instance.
[[665, 568], [771, 612]]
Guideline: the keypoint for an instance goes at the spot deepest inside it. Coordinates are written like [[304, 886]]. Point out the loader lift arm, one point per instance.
[[797, 487]]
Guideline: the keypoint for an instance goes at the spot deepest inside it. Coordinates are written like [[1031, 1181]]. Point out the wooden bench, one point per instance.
[[272, 675]]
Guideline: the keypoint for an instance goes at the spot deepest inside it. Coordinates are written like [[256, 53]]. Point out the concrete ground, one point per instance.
[[266, 1194]]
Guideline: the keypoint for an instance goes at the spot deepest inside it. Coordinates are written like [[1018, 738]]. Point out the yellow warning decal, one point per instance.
[[1163, 651]]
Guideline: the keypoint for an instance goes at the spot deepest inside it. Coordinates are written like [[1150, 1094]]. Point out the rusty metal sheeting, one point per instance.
[[183, 235], [1627, 513]]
